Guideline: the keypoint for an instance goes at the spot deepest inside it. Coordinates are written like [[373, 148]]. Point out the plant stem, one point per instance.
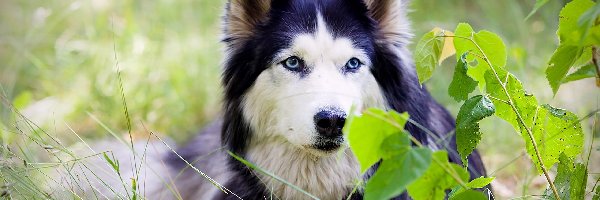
[[596, 64]]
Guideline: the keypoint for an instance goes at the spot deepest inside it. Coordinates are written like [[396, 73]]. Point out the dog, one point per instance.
[[293, 71]]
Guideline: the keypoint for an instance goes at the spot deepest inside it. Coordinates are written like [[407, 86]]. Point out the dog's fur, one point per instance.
[[269, 110]]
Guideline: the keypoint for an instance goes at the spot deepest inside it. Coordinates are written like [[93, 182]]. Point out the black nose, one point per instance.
[[330, 122]]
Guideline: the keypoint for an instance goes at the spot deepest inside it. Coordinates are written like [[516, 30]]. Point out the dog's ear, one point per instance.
[[391, 19], [241, 17]]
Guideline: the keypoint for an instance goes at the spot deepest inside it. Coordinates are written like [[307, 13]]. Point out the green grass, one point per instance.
[[59, 62]]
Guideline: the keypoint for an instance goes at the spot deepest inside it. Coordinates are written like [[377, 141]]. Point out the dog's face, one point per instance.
[[302, 66], [309, 87]]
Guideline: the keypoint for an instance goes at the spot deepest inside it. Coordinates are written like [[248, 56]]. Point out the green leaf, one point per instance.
[[427, 55], [538, 5], [570, 180], [577, 31], [467, 124], [525, 103], [480, 182], [563, 59], [366, 134], [113, 164], [548, 138], [569, 30], [475, 183], [395, 144], [461, 84], [586, 22], [470, 195], [585, 58], [464, 33], [134, 189], [433, 184], [492, 46], [556, 131], [588, 71], [397, 171], [580, 175]]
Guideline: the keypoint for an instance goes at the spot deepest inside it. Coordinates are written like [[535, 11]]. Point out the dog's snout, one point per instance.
[[329, 123]]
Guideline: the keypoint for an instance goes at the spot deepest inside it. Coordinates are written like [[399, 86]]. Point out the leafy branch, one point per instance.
[[516, 111], [379, 136], [579, 36], [481, 58], [400, 127]]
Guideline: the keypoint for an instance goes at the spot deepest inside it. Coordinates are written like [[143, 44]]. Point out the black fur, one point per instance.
[[345, 18]]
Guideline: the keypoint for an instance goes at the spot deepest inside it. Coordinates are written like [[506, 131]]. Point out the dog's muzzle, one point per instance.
[[329, 123]]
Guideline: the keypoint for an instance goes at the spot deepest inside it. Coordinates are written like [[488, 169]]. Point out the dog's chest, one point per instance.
[[330, 177]]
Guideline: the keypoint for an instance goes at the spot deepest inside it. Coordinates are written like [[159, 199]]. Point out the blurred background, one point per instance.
[[60, 60]]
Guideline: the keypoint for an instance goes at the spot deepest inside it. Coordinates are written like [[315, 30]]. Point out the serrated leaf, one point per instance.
[[366, 134], [427, 55], [470, 195], [488, 42], [467, 124], [536, 7], [397, 171], [569, 30], [562, 60], [462, 45], [570, 180], [525, 103], [580, 180], [462, 85], [433, 184], [588, 71], [556, 131]]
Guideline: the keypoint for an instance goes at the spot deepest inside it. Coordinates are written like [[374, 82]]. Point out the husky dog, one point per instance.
[[293, 70]]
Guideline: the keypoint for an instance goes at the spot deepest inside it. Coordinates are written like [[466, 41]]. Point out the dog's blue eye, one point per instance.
[[353, 64], [293, 63]]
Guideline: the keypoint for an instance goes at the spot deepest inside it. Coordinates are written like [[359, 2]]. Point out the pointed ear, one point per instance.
[[392, 22], [241, 17]]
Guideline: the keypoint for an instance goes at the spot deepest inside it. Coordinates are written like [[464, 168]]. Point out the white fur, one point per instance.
[[280, 108], [327, 177]]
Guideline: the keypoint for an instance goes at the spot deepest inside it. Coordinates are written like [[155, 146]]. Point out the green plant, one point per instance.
[[551, 135], [425, 174], [579, 35]]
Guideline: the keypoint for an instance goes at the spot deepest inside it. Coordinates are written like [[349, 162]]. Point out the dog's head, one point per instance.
[[294, 69]]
